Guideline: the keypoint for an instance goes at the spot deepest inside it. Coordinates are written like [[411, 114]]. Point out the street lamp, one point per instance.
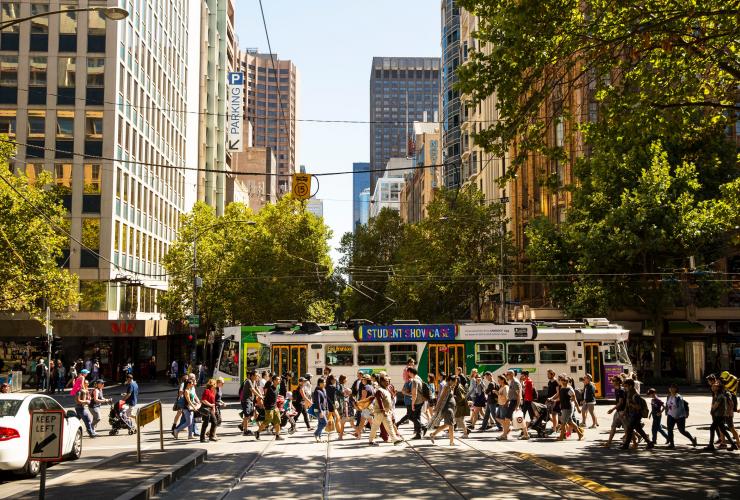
[[198, 281], [110, 13]]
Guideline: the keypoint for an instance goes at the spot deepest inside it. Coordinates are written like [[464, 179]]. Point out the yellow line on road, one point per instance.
[[572, 476]]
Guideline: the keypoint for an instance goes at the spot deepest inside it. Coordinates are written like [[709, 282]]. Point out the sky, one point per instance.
[[332, 43]]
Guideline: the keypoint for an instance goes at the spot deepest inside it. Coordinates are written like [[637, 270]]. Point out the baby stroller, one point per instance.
[[542, 416], [287, 412], [118, 419]]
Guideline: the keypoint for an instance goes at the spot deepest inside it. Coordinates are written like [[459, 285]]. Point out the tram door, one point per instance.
[[444, 358], [289, 358], [594, 365]]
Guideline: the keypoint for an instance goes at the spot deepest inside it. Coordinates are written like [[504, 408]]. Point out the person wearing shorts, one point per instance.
[[272, 415], [621, 398], [247, 398], [514, 397]]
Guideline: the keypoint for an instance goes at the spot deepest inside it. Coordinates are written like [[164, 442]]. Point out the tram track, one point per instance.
[[244, 471]]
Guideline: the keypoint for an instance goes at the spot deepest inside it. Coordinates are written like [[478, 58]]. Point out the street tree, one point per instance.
[[650, 56], [32, 237]]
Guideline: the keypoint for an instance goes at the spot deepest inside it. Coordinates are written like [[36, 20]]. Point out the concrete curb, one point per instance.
[[161, 481]]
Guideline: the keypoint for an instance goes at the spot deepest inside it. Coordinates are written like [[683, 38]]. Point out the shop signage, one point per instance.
[[406, 333], [611, 371], [123, 328], [492, 331]]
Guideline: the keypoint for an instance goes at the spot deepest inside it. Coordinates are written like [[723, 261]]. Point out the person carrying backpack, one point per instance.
[[636, 410], [719, 412], [677, 410]]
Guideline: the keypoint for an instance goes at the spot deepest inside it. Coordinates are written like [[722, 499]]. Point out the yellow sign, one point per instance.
[[302, 186], [149, 413]]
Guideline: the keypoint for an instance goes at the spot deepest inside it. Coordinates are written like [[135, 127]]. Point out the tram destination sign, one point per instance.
[[491, 331], [406, 333]]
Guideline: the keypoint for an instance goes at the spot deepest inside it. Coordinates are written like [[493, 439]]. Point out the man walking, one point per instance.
[[41, 375], [417, 402], [247, 397], [514, 397], [633, 421], [132, 393], [272, 416], [383, 412]]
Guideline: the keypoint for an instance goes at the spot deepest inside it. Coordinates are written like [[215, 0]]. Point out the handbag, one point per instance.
[[518, 419], [363, 404], [204, 411]]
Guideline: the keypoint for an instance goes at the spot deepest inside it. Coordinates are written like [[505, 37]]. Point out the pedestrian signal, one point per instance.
[[302, 186]]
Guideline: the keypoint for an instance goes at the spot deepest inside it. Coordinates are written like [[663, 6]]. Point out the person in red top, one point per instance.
[[528, 395], [208, 401]]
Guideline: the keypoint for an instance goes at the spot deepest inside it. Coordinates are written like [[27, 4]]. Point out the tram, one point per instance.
[[241, 352], [592, 346]]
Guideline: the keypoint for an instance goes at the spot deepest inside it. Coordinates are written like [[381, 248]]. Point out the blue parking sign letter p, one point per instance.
[[236, 78]]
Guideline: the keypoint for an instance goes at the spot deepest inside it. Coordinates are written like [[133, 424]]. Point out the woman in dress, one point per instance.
[[444, 411]]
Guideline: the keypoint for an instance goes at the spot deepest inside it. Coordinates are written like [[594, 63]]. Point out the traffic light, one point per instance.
[[56, 345], [190, 341]]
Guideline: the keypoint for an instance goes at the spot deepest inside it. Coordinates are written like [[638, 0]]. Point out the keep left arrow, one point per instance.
[[41, 445]]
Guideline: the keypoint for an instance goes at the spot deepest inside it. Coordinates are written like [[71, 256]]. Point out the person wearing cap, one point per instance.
[[82, 402], [97, 399], [656, 414]]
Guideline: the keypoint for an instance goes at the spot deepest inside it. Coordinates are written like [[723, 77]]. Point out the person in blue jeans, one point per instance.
[[321, 408], [188, 411], [656, 413]]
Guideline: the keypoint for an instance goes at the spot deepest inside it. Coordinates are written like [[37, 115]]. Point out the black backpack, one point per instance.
[[685, 407], [426, 392]]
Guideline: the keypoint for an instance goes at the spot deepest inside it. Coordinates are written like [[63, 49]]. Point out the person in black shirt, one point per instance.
[[272, 415], [620, 397], [552, 389]]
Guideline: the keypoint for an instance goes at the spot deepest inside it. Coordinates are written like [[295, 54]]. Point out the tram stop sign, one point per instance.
[[302, 186], [46, 436]]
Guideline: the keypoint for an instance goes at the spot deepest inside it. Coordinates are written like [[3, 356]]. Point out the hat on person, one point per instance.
[[367, 375], [308, 376], [99, 381], [651, 391], [301, 379], [84, 371]]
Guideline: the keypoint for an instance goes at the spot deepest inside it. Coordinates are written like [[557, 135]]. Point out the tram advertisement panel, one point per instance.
[[611, 371], [491, 331], [406, 333]]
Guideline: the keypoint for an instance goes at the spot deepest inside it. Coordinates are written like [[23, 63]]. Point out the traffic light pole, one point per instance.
[[193, 328]]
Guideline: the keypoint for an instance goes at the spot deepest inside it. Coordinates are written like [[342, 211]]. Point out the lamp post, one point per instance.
[[197, 281], [110, 13]]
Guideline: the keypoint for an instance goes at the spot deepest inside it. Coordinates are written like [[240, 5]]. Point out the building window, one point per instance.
[[63, 177], [95, 71], [67, 71], [520, 353], [91, 233], [9, 71], [36, 124], [39, 28], [37, 71], [371, 355], [92, 178], [94, 125], [553, 353], [7, 122], [31, 171], [93, 295], [65, 124]]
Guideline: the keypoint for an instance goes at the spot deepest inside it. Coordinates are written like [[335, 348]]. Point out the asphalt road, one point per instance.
[[479, 467]]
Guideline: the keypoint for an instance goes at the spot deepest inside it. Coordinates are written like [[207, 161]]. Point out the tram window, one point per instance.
[[400, 354], [520, 353], [610, 354], [229, 362], [553, 353], [339, 355], [368, 355], [489, 354]]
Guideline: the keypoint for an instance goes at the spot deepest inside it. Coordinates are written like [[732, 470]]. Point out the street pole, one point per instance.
[[49, 341], [193, 328]]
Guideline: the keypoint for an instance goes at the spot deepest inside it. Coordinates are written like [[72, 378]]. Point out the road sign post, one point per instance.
[[46, 438], [146, 415]]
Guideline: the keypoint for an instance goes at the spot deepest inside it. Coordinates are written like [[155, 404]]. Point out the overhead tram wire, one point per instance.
[[174, 167]]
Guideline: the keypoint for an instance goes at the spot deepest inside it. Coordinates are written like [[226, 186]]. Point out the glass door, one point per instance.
[[298, 363], [444, 358], [594, 365], [279, 359]]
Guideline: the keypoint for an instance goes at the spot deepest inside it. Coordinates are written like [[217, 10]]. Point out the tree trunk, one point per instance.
[[658, 355]]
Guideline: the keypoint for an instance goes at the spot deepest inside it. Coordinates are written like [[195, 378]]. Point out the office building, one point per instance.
[[451, 109], [422, 183], [217, 57], [254, 171], [402, 90], [364, 206], [387, 192], [360, 182], [272, 107], [315, 206], [98, 104]]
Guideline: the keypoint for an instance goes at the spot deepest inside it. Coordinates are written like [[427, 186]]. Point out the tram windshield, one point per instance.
[[228, 364], [622, 355]]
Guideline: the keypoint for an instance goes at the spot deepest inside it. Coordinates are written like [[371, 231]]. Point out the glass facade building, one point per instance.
[[360, 182], [451, 109], [402, 90]]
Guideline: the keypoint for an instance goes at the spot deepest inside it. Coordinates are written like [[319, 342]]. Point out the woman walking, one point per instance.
[[503, 401], [719, 413], [208, 411], [189, 408], [320, 402], [82, 401], [566, 396], [477, 395], [589, 401], [677, 414], [332, 402], [342, 405]]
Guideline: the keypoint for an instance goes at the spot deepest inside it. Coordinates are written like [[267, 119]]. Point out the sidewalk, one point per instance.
[[144, 388], [121, 477]]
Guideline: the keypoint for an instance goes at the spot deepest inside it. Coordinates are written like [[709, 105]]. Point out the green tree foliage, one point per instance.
[[643, 57], [31, 242], [440, 269], [276, 268]]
